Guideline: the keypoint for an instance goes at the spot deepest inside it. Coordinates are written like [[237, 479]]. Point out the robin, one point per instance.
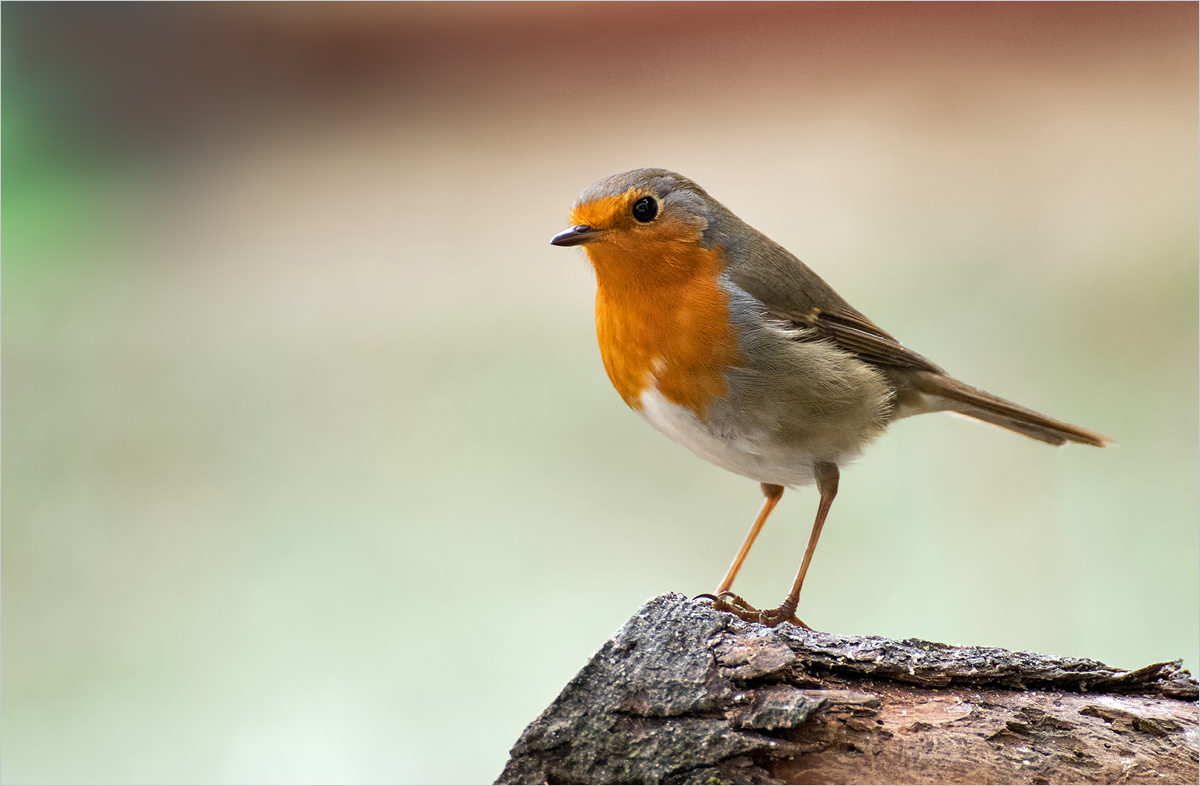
[[731, 346]]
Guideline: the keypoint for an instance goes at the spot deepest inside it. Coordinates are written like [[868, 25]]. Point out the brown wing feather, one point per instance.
[[853, 332], [793, 293]]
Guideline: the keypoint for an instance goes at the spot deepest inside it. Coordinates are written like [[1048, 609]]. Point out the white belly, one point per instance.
[[738, 449]]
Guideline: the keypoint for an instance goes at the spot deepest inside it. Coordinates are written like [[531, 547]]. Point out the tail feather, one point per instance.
[[960, 397]]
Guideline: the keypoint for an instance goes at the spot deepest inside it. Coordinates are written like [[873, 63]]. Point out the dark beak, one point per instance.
[[575, 236]]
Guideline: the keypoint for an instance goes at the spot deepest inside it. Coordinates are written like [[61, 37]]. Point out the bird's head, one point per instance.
[[643, 221]]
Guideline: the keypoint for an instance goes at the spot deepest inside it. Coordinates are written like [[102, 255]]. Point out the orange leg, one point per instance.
[[827, 484], [773, 494]]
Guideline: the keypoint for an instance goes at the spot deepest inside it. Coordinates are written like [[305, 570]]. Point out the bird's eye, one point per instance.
[[645, 209]]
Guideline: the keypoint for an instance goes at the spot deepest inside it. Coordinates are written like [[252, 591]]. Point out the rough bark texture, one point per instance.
[[685, 694]]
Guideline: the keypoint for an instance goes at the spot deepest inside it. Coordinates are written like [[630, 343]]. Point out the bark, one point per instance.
[[685, 694]]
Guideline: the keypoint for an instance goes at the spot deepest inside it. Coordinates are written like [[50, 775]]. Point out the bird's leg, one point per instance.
[[773, 494], [723, 599], [827, 484]]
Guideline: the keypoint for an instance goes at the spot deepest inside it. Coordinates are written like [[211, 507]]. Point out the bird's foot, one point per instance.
[[737, 606]]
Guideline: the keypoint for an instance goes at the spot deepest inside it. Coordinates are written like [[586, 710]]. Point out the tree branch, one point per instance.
[[685, 694]]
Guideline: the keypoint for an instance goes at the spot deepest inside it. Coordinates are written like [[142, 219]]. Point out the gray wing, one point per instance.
[[851, 331], [794, 293]]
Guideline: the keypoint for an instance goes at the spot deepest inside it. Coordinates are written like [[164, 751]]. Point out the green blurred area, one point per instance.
[[42, 195], [311, 469]]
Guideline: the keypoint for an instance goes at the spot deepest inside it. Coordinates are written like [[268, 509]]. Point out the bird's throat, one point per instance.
[[664, 322]]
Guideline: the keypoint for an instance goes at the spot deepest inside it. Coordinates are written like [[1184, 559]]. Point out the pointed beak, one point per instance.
[[575, 236]]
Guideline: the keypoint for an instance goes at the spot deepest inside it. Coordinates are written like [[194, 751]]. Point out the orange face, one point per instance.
[[620, 238], [662, 317]]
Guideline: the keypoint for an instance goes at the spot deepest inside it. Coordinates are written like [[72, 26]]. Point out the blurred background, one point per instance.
[[311, 469]]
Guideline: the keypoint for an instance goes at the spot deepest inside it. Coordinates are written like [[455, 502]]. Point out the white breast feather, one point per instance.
[[741, 454]]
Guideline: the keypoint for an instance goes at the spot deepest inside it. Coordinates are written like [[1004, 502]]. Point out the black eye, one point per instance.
[[645, 209]]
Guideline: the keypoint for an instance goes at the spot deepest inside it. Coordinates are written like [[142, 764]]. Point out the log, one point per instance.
[[686, 694]]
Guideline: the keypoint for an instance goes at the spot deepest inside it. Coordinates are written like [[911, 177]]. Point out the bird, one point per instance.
[[727, 343]]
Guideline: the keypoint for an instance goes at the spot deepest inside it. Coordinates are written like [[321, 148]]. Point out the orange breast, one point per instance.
[[662, 318]]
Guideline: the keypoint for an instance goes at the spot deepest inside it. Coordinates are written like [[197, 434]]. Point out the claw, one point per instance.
[[738, 607]]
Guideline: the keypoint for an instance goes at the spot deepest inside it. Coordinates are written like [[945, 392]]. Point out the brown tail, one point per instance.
[[960, 397]]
